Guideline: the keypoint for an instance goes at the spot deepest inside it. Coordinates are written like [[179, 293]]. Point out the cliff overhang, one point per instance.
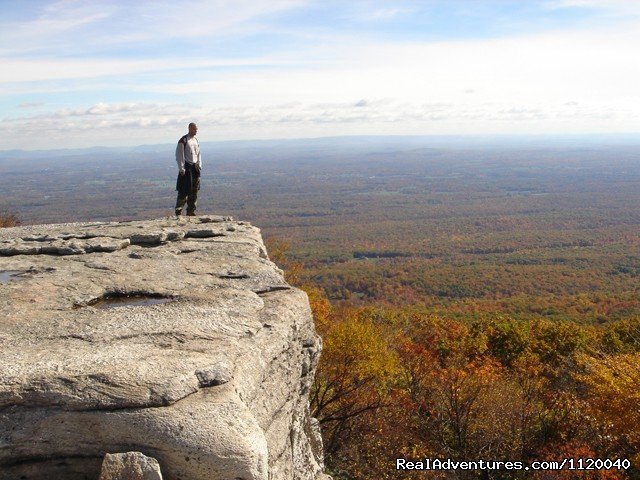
[[175, 337]]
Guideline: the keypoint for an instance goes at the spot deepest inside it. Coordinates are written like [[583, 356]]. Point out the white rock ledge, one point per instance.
[[129, 466], [213, 383]]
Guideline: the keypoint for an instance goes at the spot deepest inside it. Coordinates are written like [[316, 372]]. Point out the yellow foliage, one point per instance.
[[615, 384], [320, 307], [357, 372], [358, 349]]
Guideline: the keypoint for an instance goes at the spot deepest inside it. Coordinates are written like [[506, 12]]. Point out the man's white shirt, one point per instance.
[[188, 153]]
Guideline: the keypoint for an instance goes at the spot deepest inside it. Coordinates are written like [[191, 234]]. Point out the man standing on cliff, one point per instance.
[[189, 163]]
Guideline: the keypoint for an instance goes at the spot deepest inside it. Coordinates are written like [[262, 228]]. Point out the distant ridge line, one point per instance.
[[361, 141]]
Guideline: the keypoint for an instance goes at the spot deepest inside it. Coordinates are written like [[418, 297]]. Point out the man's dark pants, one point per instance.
[[187, 186]]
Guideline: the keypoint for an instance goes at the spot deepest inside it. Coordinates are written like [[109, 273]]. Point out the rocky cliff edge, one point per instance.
[[178, 338]]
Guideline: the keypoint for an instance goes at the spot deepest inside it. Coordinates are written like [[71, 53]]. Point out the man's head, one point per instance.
[[193, 129]]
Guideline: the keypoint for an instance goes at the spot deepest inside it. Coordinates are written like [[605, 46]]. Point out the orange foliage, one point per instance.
[[574, 450], [8, 220], [465, 382]]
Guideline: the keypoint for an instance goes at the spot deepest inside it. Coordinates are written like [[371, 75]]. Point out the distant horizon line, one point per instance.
[[591, 137]]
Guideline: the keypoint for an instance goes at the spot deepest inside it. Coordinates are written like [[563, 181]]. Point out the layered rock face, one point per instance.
[[177, 338]]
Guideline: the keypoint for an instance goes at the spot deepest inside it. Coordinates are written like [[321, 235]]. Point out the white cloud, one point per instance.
[[383, 14], [21, 70], [51, 27], [63, 25], [28, 70], [160, 123], [584, 66], [30, 104], [615, 6], [211, 17]]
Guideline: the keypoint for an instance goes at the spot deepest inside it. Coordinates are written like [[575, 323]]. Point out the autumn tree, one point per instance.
[[355, 375], [614, 387], [9, 220], [573, 450]]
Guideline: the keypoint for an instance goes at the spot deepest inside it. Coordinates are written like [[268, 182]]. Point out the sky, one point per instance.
[[78, 73]]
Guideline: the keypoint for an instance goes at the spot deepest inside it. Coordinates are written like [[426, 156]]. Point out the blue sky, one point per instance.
[[80, 73]]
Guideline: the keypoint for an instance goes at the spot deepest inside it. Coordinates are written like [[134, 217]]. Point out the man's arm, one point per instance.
[[180, 157], [199, 158]]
